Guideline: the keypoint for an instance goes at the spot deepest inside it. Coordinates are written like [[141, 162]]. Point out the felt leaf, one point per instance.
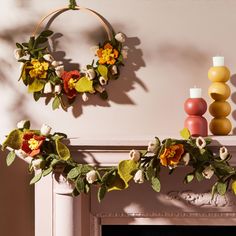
[[101, 192], [117, 184], [36, 86], [13, 140], [10, 158], [156, 185], [103, 71], [233, 186], [221, 188], [73, 173], [62, 150], [46, 33], [125, 168], [185, 134], [84, 85], [56, 103], [47, 171], [36, 178], [189, 178]]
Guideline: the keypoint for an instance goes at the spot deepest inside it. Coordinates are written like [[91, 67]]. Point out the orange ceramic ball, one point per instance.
[[220, 126], [219, 91], [219, 109], [219, 74]]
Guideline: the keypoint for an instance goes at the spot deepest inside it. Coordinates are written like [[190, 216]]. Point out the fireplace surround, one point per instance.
[[176, 204]]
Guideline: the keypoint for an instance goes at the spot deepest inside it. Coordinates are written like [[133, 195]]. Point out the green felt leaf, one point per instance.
[[80, 185], [84, 85], [47, 171], [46, 33], [36, 86], [56, 103], [189, 178], [10, 158], [156, 185], [221, 188], [233, 186], [103, 71], [73, 173], [150, 173], [101, 192], [13, 140], [125, 168], [213, 190], [62, 150], [37, 96], [116, 183], [185, 134], [199, 176], [36, 178]]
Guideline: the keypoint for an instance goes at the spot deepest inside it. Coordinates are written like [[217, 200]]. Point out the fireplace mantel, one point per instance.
[[176, 203]]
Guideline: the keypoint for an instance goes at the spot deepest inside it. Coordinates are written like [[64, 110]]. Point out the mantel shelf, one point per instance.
[[229, 140]]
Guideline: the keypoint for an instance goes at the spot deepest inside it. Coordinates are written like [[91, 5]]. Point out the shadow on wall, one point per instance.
[[117, 90], [233, 98]]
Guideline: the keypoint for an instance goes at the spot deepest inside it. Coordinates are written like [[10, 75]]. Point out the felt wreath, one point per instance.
[[44, 75], [47, 152]]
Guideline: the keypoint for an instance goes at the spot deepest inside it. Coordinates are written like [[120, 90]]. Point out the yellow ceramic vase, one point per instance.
[[219, 91]]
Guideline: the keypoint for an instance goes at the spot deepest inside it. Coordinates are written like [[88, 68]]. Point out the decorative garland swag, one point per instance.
[[46, 152], [44, 75]]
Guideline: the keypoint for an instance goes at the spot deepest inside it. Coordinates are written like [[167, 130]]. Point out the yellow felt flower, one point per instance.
[[38, 70], [107, 54]]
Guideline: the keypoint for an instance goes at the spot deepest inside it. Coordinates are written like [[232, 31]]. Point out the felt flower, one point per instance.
[[69, 80], [90, 73], [21, 124], [134, 155], [59, 70], [38, 70], [85, 97], [47, 88], [91, 176], [36, 163], [31, 143], [200, 142], [120, 37], [48, 57], [45, 130], [139, 177], [102, 80], [152, 146], [223, 153], [18, 53], [186, 158], [107, 54], [57, 89], [114, 70], [208, 172], [172, 155]]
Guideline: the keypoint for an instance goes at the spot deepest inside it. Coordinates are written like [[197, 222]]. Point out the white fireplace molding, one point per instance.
[[83, 215]]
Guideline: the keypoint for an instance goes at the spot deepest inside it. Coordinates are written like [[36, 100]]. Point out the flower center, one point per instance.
[[107, 54], [39, 69], [171, 153], [33, 144], [71, 83]]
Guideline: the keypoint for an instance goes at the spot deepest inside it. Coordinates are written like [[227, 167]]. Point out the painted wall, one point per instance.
[[171, 44]]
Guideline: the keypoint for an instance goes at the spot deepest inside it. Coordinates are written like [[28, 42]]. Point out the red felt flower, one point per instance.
[[31, 143], [69, 80]]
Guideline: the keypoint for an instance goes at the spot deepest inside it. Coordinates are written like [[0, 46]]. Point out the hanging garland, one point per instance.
[[44, 75], [45, 152]]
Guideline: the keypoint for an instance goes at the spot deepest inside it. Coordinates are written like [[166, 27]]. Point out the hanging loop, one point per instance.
[[72, 4]]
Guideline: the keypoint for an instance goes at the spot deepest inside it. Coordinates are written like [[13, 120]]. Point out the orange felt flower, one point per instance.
[[31, 143], [107, 54], [69, 80], [172, 155]]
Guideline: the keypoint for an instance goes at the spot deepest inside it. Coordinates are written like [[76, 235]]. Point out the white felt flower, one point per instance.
[[57, 89], [152, 146], [134, 155], [48, 57], [57, 63], [45, 130], [91, 176], [120, 37], [102, 80], [186, 158], [223, 153], [36, 163], [90, 73], [139, 177], [47, 88], [18, 53], [208, 172], [114, 70], [20, 153], [21, 124], [59, 70], [200, 142], [85, 97]]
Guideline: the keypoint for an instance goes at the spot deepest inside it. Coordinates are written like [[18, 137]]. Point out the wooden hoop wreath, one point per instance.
[[43, 74]]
